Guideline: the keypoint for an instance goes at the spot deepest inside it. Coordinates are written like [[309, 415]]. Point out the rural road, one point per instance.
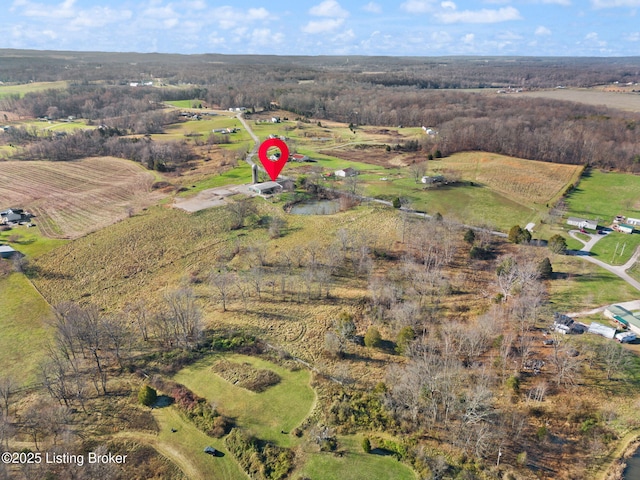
[[620, 270], [256, 140]]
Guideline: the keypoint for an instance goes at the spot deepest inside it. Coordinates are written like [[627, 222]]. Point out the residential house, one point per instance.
[[582, 223], [633, 221]]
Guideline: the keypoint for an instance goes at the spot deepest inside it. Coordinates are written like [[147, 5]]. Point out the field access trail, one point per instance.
[[620, 271], [256, 140]]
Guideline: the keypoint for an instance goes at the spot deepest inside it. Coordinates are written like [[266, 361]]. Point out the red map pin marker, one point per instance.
[[273, 167]]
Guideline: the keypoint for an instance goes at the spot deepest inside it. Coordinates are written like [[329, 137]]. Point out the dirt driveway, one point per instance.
[[211, 197]]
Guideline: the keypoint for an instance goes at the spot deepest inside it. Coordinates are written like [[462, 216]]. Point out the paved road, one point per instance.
[[620, 270]]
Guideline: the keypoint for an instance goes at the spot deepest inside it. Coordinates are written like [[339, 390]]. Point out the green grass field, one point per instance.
[[616, 248], [23, 317], [579, 285], [234, 176], [602, 196], [30, 241], [184, 103], [185, 448], [24, 88], [281, 407], [355, 464]]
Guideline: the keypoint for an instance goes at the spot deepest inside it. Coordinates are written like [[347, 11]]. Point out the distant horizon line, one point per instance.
[[133, 52]]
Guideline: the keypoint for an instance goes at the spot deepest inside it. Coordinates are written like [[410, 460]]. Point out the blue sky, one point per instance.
[[329, 27]]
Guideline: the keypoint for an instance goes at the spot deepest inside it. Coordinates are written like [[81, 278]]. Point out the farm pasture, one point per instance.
[[622, 100], [71, 199], [603, 195], [22, 89]]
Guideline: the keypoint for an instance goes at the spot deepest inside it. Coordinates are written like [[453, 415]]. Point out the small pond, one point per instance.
[[320, 207], [632, 472]]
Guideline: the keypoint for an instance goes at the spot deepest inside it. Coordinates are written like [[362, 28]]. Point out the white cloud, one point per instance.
[[99, 17], [160, 12], [449, 5], [322, 26], [542, 31], [592, 38], [633, 37], [372, 7], [265, 37], [418, 6], [328, 8], [196, 5], [480, 16], [227, 17], [215, 40], [564, 3], [468, 39], [29, 9], [615, 3], [258, 13]]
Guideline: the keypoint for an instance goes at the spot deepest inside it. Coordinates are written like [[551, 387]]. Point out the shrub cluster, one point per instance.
[[359, 410], [246, 376], [259, 459]]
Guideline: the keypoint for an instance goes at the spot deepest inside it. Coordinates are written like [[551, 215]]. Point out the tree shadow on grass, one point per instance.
[[163, 401], [382, 452]]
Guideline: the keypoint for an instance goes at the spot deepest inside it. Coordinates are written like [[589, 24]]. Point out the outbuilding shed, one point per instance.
[[266, 189], [624, 317], [6, 251]]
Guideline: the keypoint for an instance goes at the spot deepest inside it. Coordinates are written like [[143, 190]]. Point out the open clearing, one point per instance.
[[603, 195], [21, 89], [23, 317], [355, 464], [280, 407], [71, 199], [185, 446], [623, 100]]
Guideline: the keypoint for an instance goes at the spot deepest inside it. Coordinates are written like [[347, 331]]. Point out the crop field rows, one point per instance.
[[73, 198], [535, 182]]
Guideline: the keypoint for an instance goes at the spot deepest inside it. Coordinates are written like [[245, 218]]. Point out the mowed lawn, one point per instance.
[[23, 323], [281, 407], [580, 285], [354, 465], [616, 248]]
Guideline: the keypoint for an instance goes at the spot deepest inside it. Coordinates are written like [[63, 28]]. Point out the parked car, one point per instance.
[[210, 451]]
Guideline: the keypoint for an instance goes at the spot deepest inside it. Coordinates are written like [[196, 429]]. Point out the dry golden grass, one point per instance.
[[71, 199], [528, 180]]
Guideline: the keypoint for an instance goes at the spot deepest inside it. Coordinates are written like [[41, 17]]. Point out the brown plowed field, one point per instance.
[[71, 199]]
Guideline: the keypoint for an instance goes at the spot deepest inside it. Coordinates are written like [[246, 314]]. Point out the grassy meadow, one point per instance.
[[603, 195], [281, 407], [23, 322], [616, 248], [354, 464], [580, 285], [22, 89]]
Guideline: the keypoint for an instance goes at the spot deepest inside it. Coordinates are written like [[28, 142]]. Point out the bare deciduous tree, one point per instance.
[[223, 282]]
